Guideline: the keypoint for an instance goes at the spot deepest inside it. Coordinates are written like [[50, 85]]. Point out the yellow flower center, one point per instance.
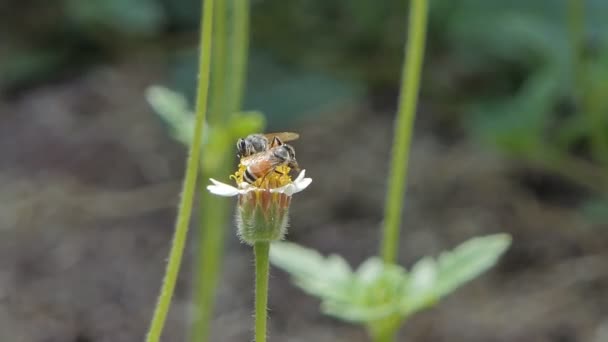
[[274, 179]]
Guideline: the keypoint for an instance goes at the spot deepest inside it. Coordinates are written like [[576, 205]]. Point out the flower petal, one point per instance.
[[299, 184], [222, 189]]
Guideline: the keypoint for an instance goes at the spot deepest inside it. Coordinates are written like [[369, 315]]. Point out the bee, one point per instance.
[[255, 143], [261, 164]]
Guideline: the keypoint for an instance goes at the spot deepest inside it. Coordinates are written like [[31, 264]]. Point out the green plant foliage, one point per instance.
[[172, 108], [283, 93], [358, 38], [381, 295], [134, 18], [547, 65], [597, 209]]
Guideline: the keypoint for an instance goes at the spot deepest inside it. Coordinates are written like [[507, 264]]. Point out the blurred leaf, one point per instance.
[[284, 94], [467, 261], [381, 295], [134, 18], [315, 274], [21, 66], [597, 209], [518, 125], [174, 111]]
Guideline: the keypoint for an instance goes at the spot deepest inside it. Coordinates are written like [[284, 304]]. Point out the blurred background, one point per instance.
[[511, 136]]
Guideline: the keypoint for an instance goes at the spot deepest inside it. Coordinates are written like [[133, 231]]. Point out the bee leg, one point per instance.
[[279, 172]]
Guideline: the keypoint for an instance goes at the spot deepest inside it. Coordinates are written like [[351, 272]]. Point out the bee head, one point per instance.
[[242, 147]]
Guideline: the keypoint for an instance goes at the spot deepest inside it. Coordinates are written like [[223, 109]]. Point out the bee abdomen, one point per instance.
[[249, 177]]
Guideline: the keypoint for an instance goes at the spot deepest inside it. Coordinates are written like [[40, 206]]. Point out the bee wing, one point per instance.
[[284, 136]]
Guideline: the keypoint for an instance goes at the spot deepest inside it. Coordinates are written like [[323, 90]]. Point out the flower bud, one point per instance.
[[262, 216]]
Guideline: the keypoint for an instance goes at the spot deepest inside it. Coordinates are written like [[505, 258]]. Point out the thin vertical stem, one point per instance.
[[240, 51], [583, 89], [218, 72], [261, 250], [211, 248], [410, 81], [384, 338], [189, 187]]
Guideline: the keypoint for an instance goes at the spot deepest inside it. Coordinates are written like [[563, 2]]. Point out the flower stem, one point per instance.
[[261, 249], [410, 82], [189, 187]]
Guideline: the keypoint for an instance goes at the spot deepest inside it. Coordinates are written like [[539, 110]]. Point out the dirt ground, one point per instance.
[[90, 181]]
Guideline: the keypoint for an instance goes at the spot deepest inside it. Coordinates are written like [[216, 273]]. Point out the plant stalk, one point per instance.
[[583, 94], [189, 187], [240, 51], [218, 66], [214, 218], [410, 83], [261, 250]]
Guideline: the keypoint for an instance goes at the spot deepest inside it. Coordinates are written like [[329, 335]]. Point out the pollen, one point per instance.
[[274, 179]]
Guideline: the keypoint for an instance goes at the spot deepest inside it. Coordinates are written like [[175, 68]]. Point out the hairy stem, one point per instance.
[[410, 81], [261, 250], [189, 187], [210, 248]]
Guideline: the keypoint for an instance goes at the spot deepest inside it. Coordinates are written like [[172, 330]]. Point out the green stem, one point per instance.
[[189, 187], [583, 89], [215, 217], [261, 250], [218, 72], [240, 51], [211, 247], [385, 338], [410, 81]]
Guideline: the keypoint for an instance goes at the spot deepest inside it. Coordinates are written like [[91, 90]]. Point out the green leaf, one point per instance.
[[379, 294], [468, 260], [518, 124], [135, 18], [172, 108], [315, 274]]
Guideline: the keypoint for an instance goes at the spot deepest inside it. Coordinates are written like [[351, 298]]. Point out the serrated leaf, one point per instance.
[[325, 277], [468, 260]]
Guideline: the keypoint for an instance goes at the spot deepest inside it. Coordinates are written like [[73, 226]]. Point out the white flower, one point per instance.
[[262, 213], [223, 189]]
